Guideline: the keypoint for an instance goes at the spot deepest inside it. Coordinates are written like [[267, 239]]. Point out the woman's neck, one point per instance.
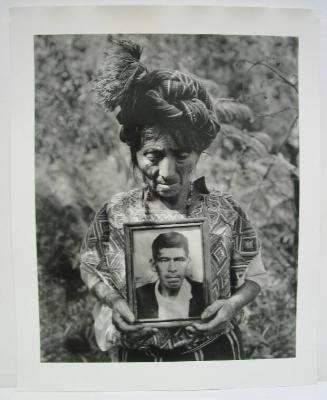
[[179, 202]]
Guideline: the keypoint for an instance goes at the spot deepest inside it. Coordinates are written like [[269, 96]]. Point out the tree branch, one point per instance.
[[281, 144], [272, 69], [274, 113]]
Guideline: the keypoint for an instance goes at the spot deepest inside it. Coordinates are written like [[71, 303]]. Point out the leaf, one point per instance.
[[246, 140], [231, 110], [285, 163], [265, 139], [232, 132]]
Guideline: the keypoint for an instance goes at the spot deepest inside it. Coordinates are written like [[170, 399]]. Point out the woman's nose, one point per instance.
[[167, 167]]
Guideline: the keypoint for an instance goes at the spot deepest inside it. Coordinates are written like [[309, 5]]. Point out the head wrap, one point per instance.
[[156, 97]]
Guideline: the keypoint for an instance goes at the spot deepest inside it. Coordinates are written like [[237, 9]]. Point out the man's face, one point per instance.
[[171, 265]]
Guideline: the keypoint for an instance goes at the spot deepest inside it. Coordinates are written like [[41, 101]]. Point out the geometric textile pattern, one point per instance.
[[233, 244]]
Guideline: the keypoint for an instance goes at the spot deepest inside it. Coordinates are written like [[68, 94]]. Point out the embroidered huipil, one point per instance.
[[234, 249]]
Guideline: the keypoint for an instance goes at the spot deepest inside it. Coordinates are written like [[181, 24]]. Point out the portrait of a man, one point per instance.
[[174, 295]]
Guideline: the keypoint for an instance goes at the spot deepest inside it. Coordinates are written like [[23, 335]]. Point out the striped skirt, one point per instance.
[[225, 347]]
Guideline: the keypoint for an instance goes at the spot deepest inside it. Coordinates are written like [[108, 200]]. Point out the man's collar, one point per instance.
[[184, 292]]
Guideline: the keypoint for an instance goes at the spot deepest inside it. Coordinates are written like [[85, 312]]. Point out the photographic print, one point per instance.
[[118, 122], [168, 272], [157, 128]]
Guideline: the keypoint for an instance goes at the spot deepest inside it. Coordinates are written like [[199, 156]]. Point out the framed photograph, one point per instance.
[[168, 271]]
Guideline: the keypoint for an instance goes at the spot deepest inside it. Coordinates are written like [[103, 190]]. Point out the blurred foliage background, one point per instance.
[[80, 163]]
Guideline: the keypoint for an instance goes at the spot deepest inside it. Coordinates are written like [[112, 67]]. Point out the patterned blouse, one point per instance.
[[234, 251]]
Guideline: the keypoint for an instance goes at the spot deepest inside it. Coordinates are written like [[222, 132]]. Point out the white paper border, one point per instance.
[[33, 375]]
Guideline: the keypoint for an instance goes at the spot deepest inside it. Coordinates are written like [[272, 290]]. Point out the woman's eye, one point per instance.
[[152, 156], [182, 156]]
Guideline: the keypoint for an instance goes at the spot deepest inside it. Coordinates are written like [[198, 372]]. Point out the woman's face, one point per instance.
[[166, 166]]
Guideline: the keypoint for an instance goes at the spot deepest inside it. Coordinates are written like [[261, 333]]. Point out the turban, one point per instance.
[[171, 98]]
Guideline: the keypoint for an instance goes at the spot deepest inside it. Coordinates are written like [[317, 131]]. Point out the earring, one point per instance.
[[149, 193], [147, 198]]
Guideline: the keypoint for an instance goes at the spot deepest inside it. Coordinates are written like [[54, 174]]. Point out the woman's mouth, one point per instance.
[[167, 187]]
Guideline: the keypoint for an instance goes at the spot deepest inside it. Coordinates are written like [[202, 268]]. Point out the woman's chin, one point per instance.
[[167, 195], [168, 190]]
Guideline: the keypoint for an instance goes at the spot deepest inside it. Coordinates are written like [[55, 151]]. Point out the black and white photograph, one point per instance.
[[167, 270], [136, 136]]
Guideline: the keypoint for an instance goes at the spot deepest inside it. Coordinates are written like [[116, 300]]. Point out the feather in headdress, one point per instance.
[[159, 97], [120, 70]]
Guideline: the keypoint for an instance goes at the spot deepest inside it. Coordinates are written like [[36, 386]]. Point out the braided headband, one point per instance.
[[165, 97]]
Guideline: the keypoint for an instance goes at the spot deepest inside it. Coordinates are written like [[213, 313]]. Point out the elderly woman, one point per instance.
[[167, 120]]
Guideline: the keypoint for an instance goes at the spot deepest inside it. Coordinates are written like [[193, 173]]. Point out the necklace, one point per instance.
[[149, 195]]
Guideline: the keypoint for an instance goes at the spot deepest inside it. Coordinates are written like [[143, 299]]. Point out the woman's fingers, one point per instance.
[[145, 331], [220, 313], [148, 330], [207, 328], [198, 329], [121, 307], [201, 327], [211, 310], [123, 319], [191, 329], [122, 325]]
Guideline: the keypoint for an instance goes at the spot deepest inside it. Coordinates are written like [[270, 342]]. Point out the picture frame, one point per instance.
[[164, 290]]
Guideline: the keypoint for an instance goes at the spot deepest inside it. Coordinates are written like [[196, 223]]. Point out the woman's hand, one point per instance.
[[122, 316], [123, 319], [216, 318]]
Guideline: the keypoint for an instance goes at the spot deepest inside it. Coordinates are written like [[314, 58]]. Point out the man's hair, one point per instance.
[[169, 240]]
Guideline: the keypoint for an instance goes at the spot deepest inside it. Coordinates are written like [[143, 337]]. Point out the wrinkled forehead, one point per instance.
[[164, 138]]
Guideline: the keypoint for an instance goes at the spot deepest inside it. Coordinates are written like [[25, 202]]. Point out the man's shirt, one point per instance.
[[174, 307]]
